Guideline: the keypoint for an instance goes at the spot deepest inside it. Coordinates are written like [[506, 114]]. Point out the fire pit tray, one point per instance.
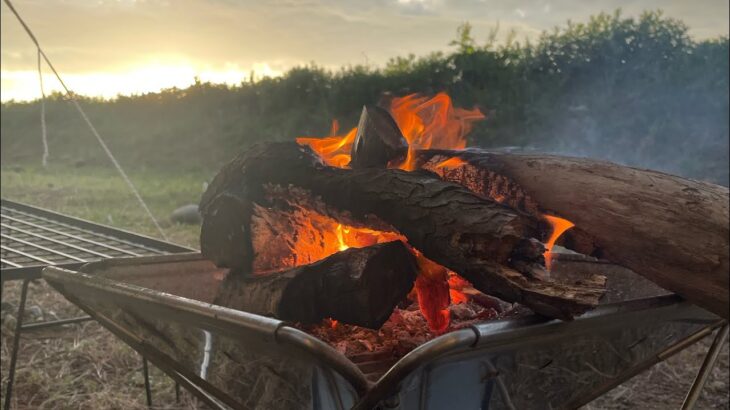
[[161, 306]]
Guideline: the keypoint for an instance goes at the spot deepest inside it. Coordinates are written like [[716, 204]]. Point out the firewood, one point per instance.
[[672, 230], [358, 286], [479, 239], [378, 140]]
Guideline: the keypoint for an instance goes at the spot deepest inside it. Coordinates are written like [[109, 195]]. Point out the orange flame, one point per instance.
[[352, 237], [340, 238], [334, 150], [559, 226], [431, 123], [425, 123]]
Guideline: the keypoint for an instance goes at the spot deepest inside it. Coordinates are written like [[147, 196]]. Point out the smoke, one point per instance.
[[692, 143], [671, 117]]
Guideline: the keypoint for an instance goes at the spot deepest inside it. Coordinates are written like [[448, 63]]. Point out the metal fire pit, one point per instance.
[[161, 306]]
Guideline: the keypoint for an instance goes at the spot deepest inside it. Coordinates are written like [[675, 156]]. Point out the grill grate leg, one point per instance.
[[16, 344], [706, 369], [147, 389]]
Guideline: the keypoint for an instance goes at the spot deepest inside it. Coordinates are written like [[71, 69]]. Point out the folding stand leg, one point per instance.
[[16, 344], [147, 389], [706, 369]]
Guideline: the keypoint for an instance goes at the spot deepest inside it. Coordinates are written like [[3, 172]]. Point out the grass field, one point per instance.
[[100, 195], [85, 367]]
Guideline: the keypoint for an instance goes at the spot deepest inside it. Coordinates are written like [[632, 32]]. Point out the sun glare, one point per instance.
[[151, 77]]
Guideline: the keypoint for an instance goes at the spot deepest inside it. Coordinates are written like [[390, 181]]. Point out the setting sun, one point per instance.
[[23, 85]]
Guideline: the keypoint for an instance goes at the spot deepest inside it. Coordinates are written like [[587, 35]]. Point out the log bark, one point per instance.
[[480, 239], [358, 286], [672, 230], [378, 140]]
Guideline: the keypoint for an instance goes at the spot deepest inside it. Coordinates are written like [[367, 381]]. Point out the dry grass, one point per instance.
[[85, 367], [78, 366], [665, 385]]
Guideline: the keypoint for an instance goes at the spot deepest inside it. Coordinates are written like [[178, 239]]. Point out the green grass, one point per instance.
[[100, 195]]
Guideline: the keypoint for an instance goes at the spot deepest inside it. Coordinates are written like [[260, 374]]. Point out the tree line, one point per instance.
[[639, 91]]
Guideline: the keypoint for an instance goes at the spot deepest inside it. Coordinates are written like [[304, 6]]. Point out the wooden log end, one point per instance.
[[378, 140], [224, 236], [358, 286]]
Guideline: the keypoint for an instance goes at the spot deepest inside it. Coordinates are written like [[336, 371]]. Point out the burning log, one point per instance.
[[378, 140], [671, 230], [358, 286], [482, 240]]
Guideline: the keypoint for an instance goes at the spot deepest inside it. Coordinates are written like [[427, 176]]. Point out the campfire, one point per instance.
[[384, 237], [392, 139]]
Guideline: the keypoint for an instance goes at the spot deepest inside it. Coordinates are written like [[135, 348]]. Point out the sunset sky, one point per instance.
[[106, 47]]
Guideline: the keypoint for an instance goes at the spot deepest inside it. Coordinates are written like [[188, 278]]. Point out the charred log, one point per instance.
[[378, 140], [672, 230], [439, 218], [358, 286], [480, 239]]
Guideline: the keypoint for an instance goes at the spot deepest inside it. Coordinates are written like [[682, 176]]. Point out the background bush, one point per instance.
[[637, 91]]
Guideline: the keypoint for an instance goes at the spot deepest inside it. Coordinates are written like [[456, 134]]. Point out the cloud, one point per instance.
[[417, 7], [82, 36]]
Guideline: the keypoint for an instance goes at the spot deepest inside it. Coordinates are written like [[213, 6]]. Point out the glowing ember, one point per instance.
[[433, 302], [559, 226], [432, 289], [451, 163], [457, 296], [456, 285]]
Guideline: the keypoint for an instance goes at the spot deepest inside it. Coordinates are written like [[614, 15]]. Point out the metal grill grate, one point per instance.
[[33, 238]]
